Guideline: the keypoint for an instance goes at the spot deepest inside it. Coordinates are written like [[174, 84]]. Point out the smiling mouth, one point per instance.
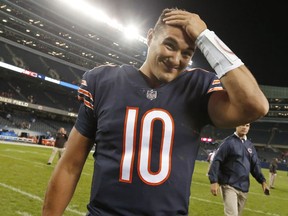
[[170, 68]]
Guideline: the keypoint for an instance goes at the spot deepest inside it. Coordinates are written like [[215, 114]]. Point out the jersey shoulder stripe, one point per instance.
[[86, 97], [215, 84], [92, 78]]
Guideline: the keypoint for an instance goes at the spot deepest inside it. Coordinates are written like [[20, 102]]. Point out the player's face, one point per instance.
[[170, 51], [243, 129]]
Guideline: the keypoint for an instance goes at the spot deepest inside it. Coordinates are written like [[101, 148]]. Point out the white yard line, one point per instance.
[[35, 198], [252, 193], [23, 213], [245, 209], [37, 163], [23, 144]]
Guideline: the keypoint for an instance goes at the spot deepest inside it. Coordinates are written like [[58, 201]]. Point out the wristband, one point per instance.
[[219, 56]]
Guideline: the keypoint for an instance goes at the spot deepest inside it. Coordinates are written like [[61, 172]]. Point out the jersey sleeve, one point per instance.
[[211, 82], [215, 85], [86, 122]]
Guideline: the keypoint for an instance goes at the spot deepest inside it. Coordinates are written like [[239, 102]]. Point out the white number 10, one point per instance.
[[145, 146]]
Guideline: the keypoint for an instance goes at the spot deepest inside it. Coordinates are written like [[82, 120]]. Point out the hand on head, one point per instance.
[[190, 22]]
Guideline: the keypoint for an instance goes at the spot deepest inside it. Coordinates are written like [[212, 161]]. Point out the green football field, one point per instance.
[[24, 176]]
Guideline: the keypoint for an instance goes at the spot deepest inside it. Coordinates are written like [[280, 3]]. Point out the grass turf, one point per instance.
[[24, 177]]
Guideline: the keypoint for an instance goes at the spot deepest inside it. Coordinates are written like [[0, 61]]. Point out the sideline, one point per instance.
[[28, 144], [23, 144]]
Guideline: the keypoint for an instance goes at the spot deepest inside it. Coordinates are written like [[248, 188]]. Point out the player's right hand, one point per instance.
[[190, 22]]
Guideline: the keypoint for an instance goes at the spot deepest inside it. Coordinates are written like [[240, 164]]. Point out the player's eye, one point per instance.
[[187, 54], [170, 46]]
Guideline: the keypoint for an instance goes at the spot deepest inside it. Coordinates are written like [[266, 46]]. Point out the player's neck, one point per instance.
[[152, 83]]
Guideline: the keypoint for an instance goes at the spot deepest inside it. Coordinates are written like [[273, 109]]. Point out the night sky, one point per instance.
[[253, 29]]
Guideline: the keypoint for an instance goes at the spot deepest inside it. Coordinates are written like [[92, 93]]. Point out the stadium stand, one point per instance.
[[45, 43]]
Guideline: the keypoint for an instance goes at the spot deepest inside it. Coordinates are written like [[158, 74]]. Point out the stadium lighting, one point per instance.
[[131, 32], [86, 8], [101, 16]]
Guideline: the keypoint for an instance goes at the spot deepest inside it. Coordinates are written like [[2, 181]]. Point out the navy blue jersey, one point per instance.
[[146, 139]]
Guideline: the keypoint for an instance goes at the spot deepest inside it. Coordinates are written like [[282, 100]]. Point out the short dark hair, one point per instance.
[[160, 24]]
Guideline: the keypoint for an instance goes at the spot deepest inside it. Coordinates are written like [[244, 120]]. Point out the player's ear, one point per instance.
[[150, 35]]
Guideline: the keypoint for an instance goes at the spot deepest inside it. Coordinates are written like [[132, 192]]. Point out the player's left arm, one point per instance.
[[241, 102]]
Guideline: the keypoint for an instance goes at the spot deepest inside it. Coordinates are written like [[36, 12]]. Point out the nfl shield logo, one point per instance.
[[151, 94]]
